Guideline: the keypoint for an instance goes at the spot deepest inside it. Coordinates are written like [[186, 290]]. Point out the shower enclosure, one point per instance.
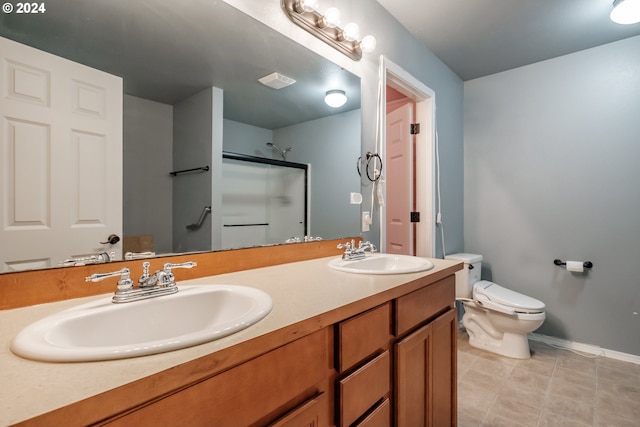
[[264, 201]]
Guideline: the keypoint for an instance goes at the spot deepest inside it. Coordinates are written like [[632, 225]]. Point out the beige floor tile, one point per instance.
[[494, 420], [468, 420], [543, 366], [575, 362], [612, 420], [622, 408], [573, 377], [509, 408], [631, 369], [525, 393], [549, 419], [482, 379], [618, 376], [562, 388], [553, 388], [465, 360], [569, 408], [628, 390], [497, 367], [531, 379]]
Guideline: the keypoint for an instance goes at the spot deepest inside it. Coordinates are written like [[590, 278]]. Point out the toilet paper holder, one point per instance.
[[586, 264]]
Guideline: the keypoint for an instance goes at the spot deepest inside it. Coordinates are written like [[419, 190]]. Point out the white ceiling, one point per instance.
[[476, 38]]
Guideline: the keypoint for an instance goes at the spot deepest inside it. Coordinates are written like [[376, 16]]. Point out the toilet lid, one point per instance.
[[497, 294]]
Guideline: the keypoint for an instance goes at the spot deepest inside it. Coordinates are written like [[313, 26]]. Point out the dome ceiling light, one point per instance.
[[625, 11], [335, 98]]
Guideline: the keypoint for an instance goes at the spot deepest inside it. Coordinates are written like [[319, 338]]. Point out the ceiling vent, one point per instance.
[[276, 81]]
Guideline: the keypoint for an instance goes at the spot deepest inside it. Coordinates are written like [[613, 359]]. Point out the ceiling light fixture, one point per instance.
[[626, 11], [335, 98], [326, 27]]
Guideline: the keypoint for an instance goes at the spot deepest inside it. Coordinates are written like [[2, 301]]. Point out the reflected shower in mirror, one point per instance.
[[190, 76]]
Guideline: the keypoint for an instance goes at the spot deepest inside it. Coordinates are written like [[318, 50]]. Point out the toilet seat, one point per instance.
[[493, 296]]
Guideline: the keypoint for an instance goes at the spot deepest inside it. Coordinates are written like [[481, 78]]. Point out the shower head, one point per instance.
[[283, 153]]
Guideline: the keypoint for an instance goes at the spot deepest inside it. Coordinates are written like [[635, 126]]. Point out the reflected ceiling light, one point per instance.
[[326, 27], [335, 98], [626, 11]]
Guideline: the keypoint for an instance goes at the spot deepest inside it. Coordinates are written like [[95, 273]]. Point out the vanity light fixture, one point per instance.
[[326, 27], [335, 98], [625, 11]]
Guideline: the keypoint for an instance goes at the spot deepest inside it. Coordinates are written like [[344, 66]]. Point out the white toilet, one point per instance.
[[496, 319]]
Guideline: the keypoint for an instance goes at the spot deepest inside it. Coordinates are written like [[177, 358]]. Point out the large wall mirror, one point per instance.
[[282, 148]]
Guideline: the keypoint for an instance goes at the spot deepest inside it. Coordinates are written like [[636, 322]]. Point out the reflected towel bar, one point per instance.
[[203, 169]]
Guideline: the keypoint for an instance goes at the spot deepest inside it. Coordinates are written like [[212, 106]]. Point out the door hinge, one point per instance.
[[415, 128], [415, 216]]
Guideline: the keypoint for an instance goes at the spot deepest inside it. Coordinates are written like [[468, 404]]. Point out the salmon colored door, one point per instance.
[[399, 181]]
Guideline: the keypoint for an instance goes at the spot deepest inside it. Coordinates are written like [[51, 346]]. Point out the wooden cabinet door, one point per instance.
[[412, 378], [443, 369], [425, 376]]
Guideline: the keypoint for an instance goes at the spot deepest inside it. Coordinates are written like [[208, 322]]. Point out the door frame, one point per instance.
[[395, 76]]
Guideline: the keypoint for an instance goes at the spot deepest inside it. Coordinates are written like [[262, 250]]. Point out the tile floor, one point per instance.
[[553, 388]]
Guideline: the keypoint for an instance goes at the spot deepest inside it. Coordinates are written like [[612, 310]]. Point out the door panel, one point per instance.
[[60, 159], [399, 181]]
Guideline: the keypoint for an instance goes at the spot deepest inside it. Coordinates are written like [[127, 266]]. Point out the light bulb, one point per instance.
[[335, 98], [306, 5], [331, 17], [351, 32], [626, 11], [368, 44]]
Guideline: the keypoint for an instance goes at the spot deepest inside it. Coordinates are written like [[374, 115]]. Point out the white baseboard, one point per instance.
[[585, 348]]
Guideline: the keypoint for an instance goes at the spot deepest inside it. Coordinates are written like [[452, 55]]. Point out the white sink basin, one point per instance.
[[101, 330], [382, 264]]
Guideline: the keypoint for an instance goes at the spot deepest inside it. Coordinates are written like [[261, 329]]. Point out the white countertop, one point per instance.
[[300, 291]]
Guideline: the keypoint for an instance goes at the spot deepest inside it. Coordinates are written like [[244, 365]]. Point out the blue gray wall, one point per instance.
[[551, 161], [147, 161]]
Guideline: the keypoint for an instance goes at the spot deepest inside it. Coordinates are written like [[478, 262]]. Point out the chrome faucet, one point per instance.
[[162, 282], [351, 252]]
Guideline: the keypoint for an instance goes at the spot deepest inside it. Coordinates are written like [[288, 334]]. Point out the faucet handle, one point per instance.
[[347, 246], [367, 245], [125, 282], [169, 266], [166, 276]]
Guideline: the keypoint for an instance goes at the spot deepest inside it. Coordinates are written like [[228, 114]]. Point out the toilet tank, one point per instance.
[[469, 275]]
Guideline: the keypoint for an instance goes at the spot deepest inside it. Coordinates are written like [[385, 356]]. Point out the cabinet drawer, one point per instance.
[[379, 417], [363, 388], [309, 414], [242, 395], [418, 306], [363, 335]]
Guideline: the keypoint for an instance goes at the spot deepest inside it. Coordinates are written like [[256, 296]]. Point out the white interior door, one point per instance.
[[60, 159], [399, 181]]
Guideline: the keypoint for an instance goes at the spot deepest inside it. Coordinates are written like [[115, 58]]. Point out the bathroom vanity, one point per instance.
[[337, 349]]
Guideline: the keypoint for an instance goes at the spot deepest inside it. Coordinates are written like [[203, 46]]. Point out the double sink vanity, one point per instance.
[[301, 340]]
